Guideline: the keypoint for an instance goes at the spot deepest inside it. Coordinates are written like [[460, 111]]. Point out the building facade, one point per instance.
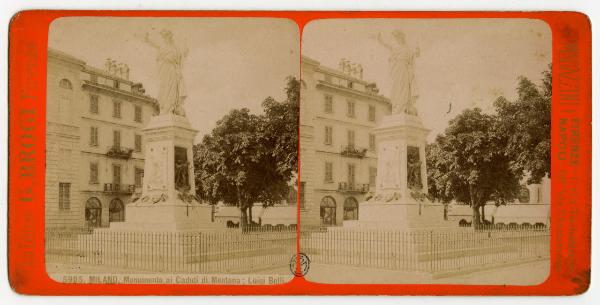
[[94, 157], [338, 150]]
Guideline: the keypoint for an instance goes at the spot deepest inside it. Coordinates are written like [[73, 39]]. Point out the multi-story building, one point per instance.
[[338, 152], [94, 156]]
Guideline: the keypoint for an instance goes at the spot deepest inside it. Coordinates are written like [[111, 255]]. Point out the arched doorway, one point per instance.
[[350, 209], [93, 213], [328, 211], [116, 211]]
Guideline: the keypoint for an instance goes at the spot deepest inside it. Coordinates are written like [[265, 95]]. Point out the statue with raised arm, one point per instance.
[[172, 91], [403, 93]]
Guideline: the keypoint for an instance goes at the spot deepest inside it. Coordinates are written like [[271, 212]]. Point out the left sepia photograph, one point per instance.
[[172, 150]]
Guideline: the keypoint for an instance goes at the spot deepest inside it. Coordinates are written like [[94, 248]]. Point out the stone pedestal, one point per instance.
[[168, 200], [401, 186]]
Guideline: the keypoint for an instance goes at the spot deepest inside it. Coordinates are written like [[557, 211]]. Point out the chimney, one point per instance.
[[360, 71], [107, 65], [342, 65], [119, 71], [113, 67], [126, 72]]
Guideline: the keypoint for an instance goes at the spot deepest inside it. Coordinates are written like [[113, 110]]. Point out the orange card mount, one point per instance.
[[106, 175]]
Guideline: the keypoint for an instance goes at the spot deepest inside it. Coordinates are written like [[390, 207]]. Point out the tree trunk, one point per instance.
[[475, 223], [476, 217], [250, 221], [445, 211], [244, 217], [483, 214]]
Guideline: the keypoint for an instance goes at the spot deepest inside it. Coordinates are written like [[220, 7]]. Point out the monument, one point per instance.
[[400, 199], [167, 202]]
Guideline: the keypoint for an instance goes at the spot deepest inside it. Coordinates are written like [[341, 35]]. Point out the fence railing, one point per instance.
[[437, 252], [228, 251]]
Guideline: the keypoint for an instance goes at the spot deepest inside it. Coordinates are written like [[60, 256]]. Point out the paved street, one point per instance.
[[523, 274]]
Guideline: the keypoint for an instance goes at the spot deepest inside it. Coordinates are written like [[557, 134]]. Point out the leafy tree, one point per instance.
[[250, 158], [281, 128], [467, 163], [226, 159], [527, 122]]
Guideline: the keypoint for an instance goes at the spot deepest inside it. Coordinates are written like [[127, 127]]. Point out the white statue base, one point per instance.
[[167, 202], [166, 218], [400, 200]]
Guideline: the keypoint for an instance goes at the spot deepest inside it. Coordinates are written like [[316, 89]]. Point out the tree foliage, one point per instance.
[[467, 163], [482, 157], [250, 158], [527, 122]]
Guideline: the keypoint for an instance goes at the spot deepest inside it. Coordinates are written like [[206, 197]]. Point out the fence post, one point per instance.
[[431, 251]]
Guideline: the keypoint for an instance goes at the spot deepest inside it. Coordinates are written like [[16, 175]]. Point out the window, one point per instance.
[[350, 84], [116, 84], [139, 176], [93, 173], [94, 99], [328, 172], [64, 196], [116, 109], [93, 136], [116, 138], [138, 143], [351, 174], [65, 84], [328, 104], [372, 175], [372, 142], [138, 113], [351, 137], [351, 104], [328, 135], [302, 199], [371, 113], [65, 110], [116, 174]]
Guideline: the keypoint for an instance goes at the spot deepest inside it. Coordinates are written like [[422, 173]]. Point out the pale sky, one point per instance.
[[466, 62], [232, 62]]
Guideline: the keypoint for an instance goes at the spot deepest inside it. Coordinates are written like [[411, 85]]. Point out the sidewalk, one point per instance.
[[532, 273]]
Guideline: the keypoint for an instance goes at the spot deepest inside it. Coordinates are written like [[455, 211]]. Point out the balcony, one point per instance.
[[353, 187], [353, 151], [119, 188], [119, 152]]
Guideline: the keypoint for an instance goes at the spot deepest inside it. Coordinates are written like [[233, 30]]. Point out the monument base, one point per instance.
[[166, 217], [400, 215], [167, 202]]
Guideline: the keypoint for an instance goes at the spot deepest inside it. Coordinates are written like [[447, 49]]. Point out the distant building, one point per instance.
[[338, 151], [94, 146], [532, 207]]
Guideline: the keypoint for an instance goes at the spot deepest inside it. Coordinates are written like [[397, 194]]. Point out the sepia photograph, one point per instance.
[[425, 151], [172, 150]]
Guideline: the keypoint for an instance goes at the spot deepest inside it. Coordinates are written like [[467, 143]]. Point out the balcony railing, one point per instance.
[[353, 151], [353, 187], [119, 152], [119, 188]]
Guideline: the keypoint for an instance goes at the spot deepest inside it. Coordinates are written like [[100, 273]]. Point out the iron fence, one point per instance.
[[226, 251], [437, 252]]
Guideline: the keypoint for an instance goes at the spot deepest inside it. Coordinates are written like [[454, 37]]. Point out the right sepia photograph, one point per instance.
[[425, 151]]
